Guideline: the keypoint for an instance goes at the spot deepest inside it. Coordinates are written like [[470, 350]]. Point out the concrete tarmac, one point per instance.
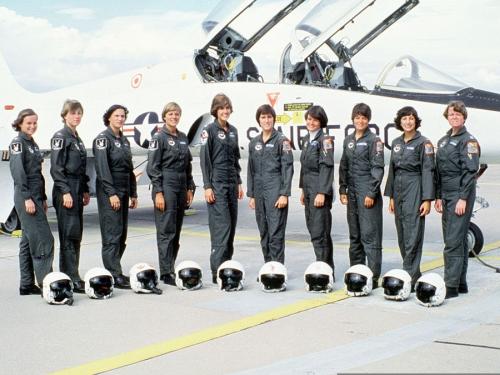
[[250, 332]]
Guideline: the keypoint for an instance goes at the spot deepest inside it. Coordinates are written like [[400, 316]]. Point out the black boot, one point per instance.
[[30, 289], [121, 282], [78, 287], [168, 278], [214, 278], [451, 292], [462, 288]]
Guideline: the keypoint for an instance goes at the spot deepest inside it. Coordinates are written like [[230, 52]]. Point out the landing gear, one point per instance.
[[475, 240]]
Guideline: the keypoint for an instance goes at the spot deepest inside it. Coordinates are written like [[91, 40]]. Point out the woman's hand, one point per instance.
[[241, 193], [86, 199], [391, 205], [160, 202], [369, 202], [209, 196], [302, 198], [133, 203], [319, 200], [282, 202], [438, 206], [425, 208], [67, 200], [251, 203], [460, 207], [189, 198], [29, 205], [343, 199], [115, 202]]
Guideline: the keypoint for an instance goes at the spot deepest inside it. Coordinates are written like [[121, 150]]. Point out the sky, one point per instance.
[[54, 44]]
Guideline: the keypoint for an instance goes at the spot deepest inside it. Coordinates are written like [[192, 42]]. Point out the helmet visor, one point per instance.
[[102, 285], [355, 282], [148, 279], [425, 292], [272, 281], [392, 286], [190, 277], [317, 282], [61, 290]]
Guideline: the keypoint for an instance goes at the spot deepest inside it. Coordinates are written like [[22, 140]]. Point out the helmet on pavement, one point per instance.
[[358, 280], [318, 277], [397, 285], [273, 277], [144, 279], [57, 289], [430, 290], [188, 275], [230, 276], [98, 283]]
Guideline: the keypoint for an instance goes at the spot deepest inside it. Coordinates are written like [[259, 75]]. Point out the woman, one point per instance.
[[410, 186], [169, 168], [360, 175], [68, 162], [36, 249], [457, 162], [316, 182], [270, 172], [220, 166], [115, 187]]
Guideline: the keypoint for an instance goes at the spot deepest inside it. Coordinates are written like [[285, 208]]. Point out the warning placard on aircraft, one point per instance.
[[296, 107]]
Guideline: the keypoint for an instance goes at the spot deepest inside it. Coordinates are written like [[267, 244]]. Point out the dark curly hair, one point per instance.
[[407, 111], [265, 109], [110, 111]]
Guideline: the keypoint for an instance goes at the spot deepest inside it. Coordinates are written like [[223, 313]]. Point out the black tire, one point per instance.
[[475, 239], [12, 223]]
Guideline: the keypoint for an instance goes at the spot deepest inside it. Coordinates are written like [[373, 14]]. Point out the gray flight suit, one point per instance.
[[68, 162], [169, 168], [457, 162], [270, 172], [360, 175], [220, 166], [316, 177], [411, 182], [115, 176], [36, 249]]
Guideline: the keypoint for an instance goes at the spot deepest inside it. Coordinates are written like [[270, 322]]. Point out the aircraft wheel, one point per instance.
[[475, 239], [12, 223]]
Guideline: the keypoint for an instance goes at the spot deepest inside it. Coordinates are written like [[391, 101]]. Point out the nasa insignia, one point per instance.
[[350, 144], [56, 144], [221, 135], [171, 142], [16, 148], [30, 149], [118, 144], [442, 144], [77, 147], [203, 137], [101, 143], [153, 144], [258, 147], [397, 148]]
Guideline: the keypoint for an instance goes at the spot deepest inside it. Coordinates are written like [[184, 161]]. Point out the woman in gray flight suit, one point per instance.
[[270, 172], [457, 162], [36, 249], [316, 182], [116, 190], [410, 186], [68, 162], [169, 168], [360, 174]]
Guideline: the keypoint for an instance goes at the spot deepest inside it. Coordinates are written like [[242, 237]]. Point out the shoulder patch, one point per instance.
[[204, 137], [57, 143], [429, 148], [286, 145], [101, 143], [380, 146], [16, 148], [153, 144], [327, 143], [472, 147]]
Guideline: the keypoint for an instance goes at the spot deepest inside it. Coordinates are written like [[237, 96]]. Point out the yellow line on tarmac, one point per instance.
[[155, 350], [211, 333]]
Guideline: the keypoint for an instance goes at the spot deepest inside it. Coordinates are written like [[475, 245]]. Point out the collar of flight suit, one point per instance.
[[415, 136], [318, 134], [165, 129], [108, 129], [222, 128], [460, 132], [66, 129], [274, 132], [25, 136]]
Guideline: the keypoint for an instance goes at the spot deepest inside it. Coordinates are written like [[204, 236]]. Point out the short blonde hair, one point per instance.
[[169, 107], [70, 105]]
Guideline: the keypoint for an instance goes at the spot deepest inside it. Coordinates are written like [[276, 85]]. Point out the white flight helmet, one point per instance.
[[273, 277], [358, 280], [430, 290], [57, 289], [397, 285], [99, 283], [144, 279], [318, 277], [230, 276], [188, 275]]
